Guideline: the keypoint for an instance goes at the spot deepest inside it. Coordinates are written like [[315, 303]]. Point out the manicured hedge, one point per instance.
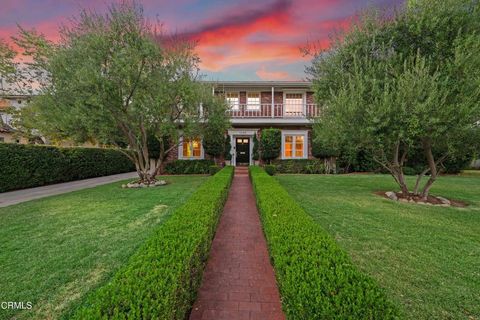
[[161, 279], [189, 167], [317, 279], [26, 166], [308, 166]]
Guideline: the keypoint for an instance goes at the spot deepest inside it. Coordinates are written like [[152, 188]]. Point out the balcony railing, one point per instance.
[[274, 111]]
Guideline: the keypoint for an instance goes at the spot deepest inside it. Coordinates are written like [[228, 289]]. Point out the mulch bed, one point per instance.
[[431, 200]]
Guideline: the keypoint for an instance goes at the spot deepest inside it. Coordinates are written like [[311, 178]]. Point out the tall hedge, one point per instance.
[[26, 166], [161, 279], [316, 278], [271, 143]]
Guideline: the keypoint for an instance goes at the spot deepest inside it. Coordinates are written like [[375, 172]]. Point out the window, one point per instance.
[[233, 100], [191, 148], [294, 145], [293, 104], [253, 101]]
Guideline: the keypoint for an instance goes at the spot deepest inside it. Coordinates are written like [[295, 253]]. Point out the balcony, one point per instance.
[[275, 111]]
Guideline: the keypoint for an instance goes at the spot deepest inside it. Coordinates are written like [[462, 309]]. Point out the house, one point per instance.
[[256, 105], [7, 104]]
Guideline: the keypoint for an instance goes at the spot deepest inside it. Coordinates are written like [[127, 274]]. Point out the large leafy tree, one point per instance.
[[115, 79], [410, 80]]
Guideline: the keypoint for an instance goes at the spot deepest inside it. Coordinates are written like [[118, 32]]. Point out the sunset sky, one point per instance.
[[237, 40]]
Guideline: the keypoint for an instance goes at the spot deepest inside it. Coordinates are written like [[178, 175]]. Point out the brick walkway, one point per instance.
[[239, 282]]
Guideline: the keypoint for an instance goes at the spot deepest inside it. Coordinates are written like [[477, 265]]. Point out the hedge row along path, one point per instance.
[[239, 281], [19, 196]]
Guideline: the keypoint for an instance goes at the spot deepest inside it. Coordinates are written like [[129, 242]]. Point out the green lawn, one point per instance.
[[427, 258], [54, 250]]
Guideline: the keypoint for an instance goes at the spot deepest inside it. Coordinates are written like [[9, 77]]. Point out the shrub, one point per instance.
[[309, 166], [271, 142], [316, 278], [189, 167], [27, 166], [255, 154], [228, 148], [270, 169], [213, 169], [161, 279]]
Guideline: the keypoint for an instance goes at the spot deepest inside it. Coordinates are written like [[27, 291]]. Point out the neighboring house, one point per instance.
[[7, 103], [256, 105]]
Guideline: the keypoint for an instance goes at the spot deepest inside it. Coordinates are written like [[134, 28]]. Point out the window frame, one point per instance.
[[254, 107], [233, 107], [180, 150], [303, 104], [295, 133]]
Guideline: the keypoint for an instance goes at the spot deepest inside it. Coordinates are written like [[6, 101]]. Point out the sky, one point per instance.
[[237, 39]]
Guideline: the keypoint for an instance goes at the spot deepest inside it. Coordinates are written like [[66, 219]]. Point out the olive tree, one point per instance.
[[396, 83], [115, 79]]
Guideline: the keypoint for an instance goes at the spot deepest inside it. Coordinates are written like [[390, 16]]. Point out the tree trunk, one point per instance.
[[427, 148]]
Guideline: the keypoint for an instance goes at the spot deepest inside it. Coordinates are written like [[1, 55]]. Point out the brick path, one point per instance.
[[238, 282]]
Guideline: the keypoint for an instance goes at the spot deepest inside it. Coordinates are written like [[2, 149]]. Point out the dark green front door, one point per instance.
[[242, 146]]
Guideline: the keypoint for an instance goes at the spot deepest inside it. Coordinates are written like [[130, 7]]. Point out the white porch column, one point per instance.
[[273, 102]]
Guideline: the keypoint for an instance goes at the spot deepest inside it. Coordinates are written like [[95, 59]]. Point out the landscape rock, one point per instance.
[[444, 200], [391, 195]]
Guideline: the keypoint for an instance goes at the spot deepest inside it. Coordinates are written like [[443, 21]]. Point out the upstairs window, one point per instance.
[[293, 104], [233, 100], [191, 148], [253, 100]]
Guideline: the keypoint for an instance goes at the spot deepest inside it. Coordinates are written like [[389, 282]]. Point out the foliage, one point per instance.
[[81, 237], [213, 169], [189, 167], [27, 166], [316, 278], [115, 79], [228, 147], [270, 169], [271, 142], [162, 278], [300, 166], [434, 244], [214, 129], [255, 151], [401, 82]]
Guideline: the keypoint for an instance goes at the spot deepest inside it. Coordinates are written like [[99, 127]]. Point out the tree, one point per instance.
[[396, 83], [117, 80], [215, 127], [271, 142], [255, 151], [7, 65], [228, 147]]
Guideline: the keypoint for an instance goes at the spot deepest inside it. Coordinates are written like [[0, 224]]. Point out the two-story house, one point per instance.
[[255, 105]]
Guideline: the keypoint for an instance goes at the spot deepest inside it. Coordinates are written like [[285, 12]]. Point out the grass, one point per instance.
[[470, 173], [427, 258], [55, 250]]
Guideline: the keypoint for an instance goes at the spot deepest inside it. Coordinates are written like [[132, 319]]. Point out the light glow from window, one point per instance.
[[191, 148]]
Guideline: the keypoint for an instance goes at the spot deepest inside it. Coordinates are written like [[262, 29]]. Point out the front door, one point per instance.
[[242, 147]]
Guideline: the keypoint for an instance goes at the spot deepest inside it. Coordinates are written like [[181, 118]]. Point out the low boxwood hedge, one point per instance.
[[316, 278], [308, 166], [189, 166], [27, 166], [161, 279]]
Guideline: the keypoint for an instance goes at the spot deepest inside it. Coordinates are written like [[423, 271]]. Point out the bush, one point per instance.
[[271, 142], [228, 148], [309, 166], [161, 279], [213, 170], [255, 153], [270, 169], [316, 278], [189, 167], [27, 166]]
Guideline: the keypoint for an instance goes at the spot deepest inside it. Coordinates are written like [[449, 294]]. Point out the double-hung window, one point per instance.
[[294, 145], [191, 148], [293, 104], [233, 100], [253, 100]]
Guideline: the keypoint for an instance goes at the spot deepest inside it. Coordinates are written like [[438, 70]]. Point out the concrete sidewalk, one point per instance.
[[18, 196]]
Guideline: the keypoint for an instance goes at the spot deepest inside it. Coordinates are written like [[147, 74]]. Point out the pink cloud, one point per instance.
[[263, 74]]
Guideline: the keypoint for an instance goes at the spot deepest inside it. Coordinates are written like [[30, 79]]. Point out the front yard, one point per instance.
[[55, 250], [427, 258]]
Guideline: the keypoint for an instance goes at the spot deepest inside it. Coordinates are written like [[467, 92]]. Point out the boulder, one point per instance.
[[391, 195]]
